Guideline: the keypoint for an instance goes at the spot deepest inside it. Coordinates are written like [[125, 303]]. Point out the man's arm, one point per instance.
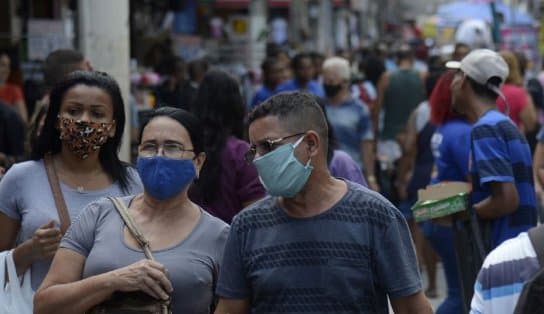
[[412, 304], [504, 200], [407, 160], [233, 306]]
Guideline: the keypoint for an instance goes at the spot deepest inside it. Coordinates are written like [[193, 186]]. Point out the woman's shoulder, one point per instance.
[[26, 168], [213, 221], [214, 226], [341, 156]]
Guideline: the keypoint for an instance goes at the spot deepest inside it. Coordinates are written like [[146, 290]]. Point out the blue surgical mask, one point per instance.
[[280, 171], [165, 177]]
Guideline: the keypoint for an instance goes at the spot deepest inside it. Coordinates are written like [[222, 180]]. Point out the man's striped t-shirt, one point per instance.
[[500, 153]]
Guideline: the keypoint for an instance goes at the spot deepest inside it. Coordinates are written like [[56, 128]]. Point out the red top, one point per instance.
[[440, 100], [517, 99], [10, 94]]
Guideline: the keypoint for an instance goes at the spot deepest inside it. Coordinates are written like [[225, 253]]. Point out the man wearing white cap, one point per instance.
[[500, 162]]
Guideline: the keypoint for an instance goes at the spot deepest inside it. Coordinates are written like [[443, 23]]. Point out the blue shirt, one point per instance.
[[451, 149], [262, 94], [345, 260], [352, 125], [292, 85], [500, 153]]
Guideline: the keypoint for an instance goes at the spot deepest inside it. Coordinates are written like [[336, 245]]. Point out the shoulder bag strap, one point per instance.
[[536, 235], [57, 193], [132, 227]]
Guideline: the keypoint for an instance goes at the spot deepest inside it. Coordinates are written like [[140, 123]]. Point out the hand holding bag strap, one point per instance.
[[138, 235], [132, 227], [57, 193], [536, 235]]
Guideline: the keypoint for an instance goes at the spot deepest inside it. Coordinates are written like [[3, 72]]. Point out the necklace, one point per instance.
[[72, 179]]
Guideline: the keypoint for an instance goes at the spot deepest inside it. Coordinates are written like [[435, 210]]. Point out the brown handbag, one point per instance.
[[53, 179], [137, 302]]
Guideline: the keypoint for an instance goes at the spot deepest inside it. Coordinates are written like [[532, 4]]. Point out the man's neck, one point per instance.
[[320, 193], [339, 98], [479, 109], [405, 65], [301, 83]]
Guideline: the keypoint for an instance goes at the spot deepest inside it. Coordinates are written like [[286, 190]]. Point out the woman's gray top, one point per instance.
[[193, 264], [25, 195]]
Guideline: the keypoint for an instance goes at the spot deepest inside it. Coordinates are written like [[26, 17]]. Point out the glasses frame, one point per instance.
[[157, 147], [249, 156]]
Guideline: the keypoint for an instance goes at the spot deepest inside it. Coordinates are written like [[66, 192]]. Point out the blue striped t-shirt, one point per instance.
[[500, 153]]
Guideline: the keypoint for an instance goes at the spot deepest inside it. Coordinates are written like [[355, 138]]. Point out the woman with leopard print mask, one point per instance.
[[80, 141]]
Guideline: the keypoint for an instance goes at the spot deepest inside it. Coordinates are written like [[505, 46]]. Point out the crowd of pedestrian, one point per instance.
[[298, 201]]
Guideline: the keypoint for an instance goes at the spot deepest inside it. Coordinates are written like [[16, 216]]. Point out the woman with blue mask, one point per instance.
[[186, 241]]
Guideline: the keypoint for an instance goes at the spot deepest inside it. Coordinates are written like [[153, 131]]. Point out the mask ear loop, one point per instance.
[[298, 143]]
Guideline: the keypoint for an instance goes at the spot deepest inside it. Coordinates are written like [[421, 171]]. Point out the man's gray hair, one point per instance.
[[339, 65]]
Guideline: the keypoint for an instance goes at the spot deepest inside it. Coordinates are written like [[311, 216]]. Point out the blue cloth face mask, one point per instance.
[[280, 171], [165, 177]]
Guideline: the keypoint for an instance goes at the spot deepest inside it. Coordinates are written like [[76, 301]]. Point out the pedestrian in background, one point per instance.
[[227, 182], [349, 117], [11, 94], [272, 73], [520, 106], [304, 72], [57, 65]]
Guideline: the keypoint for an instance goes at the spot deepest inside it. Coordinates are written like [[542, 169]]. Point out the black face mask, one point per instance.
[[332, 90]]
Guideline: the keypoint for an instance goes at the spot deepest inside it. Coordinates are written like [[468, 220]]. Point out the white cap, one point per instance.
[[481, 65]]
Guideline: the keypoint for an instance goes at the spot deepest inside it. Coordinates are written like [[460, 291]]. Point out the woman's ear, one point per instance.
[[199, 161]]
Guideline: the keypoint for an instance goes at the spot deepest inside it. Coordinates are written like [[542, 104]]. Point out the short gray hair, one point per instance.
[[340, 65]]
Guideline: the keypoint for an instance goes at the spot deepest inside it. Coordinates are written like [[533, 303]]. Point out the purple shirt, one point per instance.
[[343, 166], [238, 182]]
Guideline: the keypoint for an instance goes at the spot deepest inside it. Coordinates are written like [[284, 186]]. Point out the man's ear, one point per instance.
[[314, 143]]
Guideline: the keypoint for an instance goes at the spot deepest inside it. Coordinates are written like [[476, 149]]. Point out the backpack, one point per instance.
[[531, 299]]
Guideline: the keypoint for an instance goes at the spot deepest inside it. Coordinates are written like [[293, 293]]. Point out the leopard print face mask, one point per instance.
[[83, 137]]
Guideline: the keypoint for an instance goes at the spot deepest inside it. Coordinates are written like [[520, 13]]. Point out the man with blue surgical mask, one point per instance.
[[317, 244]]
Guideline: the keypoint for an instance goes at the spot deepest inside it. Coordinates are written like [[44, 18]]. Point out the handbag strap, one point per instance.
[[53, 179], [132, 227], [536, 235]]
